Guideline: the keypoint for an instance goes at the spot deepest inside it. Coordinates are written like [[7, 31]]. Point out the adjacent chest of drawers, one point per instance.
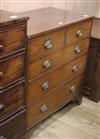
[[42, 66], [12, 79], [56, 69]]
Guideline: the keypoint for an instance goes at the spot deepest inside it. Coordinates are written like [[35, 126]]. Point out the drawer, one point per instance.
[[14, 127], [75, 68], [11, 69], [45, 63], [44, 84], [9, 45], [11, 101], [78, 31], [52, 102], [46, 43], [76, 50]]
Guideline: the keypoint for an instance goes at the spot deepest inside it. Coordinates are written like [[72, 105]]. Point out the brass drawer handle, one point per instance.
[[77, 50], [45, 85], [1, 75], [2, 107], [79, 33], [47, 64], [75, 68], [2, 137], [1, 47], [44, 108], [48, 44], [72, 89]]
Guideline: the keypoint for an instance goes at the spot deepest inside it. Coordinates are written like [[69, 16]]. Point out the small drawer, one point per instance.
[[53, 101], [76, 50], [44, 84], [46, 43], [11, 101], [75, 68], [11, 69], [78, 31], [44, 64], [9, 45], [14, 127]]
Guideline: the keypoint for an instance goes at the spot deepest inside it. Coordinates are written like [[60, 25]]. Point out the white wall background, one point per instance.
[[84, 6]]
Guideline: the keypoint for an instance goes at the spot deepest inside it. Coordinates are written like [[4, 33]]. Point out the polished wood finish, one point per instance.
[[52, 61], [83, 28], [10, 45], [12, 76], [13, 128], [37, 44], [55, 100], [12, 100], [12, 68]]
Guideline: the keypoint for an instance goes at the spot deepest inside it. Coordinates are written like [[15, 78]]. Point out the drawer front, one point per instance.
[[11, 69], [14, 127], [11, 101], [52, 102], [75, 68], [78, 31], [44, 64], [7, 44], [76, 50], [46, 43], [44, 84]]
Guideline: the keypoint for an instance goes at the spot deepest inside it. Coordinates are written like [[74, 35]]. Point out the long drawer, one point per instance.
[[78, 31], [64, 56], [42, 85], [52, 102], [46, 43], [9, 45], [11, 69], [14, 127], [75, 68], [11, 100]]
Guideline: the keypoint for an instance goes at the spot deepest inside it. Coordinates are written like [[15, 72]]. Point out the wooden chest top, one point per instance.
[[48, 19]]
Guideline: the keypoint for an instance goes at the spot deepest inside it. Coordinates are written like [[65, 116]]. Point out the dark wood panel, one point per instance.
[[14, 127], [11, 69], [12, 39], [11, 101]]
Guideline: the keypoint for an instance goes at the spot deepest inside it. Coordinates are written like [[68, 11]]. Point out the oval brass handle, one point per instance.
[[75, 68], [48, 44], [2, 137], [72, 89], [1, 75], [45, 85], [79, 33], [77, 50], [2, 107], [47, 64], [44, 108], [1, 47]]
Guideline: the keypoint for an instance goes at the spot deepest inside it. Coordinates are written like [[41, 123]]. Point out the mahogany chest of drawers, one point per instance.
[[12, 77], [44, 71]]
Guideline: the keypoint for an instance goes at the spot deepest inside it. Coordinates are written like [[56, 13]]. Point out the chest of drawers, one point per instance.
[[42, 66], [56, 62], [12, 76]]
